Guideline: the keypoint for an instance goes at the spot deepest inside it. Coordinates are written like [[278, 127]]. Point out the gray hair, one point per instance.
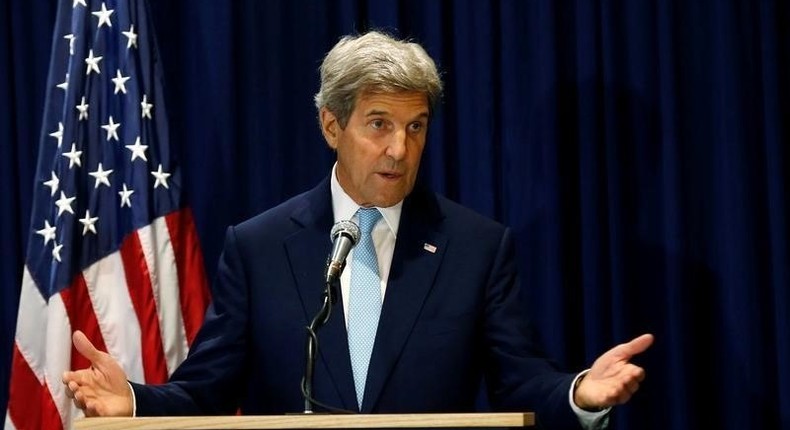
[[374, 62]]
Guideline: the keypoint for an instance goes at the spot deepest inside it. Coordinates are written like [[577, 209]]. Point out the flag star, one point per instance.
[[161, 177], [104, 15], [56, 251], [53, 183], [48, 232], [125, 196], [83, 108], [132, 36], [58, 134], [64, 204], [120, 82], [73, 156], [137, 149], [71, 38], [88, 223], [146, 107], [76, 2], [93, 63], [101, 176], [112, 129], [65, 84]]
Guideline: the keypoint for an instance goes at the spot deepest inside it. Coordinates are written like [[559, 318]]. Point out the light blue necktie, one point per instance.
[[364, 300]]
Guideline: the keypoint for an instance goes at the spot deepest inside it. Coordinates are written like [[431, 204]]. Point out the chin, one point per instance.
[[387, 202], [389, 196]]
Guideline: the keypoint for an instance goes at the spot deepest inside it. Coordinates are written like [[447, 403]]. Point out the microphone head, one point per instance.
[[346, 227]]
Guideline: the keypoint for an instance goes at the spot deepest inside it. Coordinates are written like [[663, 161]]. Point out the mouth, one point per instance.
[[391, 176]]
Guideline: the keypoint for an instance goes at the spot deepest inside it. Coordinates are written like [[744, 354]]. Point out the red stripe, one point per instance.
[[138, 281], [194, 292], [79, 309], [30, 403]]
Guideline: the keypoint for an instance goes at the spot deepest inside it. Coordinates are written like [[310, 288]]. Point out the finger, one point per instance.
[[78, 405], [67, 377], [641, 343], [90, 409], [640, 375], [79, 400], [623, 399], [631, 372], [71, 388], [630, 381], [70, 375], [94, 407], [85, 347], [631, 384], [81, 377], [631, 387]]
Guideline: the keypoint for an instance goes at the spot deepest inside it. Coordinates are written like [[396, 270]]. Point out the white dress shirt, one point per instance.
[[384, 233]]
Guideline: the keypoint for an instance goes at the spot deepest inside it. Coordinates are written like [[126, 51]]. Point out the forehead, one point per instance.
[[413, 103]]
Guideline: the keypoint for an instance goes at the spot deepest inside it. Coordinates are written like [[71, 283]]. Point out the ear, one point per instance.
[[329, 127]]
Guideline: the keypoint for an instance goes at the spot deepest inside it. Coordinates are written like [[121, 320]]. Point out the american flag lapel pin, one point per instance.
[[430, 248]]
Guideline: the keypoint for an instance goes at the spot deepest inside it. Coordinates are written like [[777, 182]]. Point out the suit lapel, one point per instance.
[[307, 252], [418, 253]]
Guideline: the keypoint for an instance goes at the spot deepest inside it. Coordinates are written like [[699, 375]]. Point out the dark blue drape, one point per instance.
[[639, 150]]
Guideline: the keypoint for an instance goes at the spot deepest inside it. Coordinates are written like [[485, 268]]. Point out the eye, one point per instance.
[[416, 126], [377, 124]]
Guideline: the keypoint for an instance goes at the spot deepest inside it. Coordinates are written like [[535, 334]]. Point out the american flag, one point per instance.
[[112, 250]]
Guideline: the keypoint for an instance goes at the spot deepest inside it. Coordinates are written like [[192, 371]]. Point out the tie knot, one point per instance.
[[368, 217]]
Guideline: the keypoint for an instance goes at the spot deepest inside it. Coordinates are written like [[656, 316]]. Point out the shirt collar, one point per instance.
[[344, 208]]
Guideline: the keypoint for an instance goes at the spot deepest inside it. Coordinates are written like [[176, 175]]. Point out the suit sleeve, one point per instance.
[[210, 380], [519, 375]]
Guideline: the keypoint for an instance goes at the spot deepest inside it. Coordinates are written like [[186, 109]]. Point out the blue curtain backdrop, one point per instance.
[[638, 149]]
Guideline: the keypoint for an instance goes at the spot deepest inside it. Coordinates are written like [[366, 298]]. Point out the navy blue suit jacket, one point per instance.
[[450, 319]]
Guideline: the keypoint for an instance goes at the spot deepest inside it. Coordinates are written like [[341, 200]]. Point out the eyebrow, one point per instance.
[[421, 115]]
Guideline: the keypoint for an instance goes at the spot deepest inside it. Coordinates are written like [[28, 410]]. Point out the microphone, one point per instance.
[[344, 235]]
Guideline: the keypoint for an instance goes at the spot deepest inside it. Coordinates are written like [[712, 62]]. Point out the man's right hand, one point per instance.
[[102, 389]]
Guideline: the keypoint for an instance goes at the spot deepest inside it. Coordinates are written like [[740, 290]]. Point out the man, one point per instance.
[[441, 313]]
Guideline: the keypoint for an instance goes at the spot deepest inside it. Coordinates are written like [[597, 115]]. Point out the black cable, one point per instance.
[[312, 352]]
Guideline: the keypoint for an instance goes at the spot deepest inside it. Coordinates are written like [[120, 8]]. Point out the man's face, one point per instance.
[[378, 152]]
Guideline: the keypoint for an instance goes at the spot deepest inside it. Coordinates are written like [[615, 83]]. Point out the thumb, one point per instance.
[[637, 345], [85, 347]]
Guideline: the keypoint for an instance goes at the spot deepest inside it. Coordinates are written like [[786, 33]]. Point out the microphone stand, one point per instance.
[[312, 344]]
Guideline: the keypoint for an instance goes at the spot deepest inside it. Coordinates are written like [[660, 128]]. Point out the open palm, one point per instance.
[[102, 389]]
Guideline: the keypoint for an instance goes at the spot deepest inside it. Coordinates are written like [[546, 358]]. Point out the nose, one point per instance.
[[397, 145]]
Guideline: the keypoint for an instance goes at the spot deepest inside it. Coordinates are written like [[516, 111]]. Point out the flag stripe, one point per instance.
[[9, 425], [189, 260], [155, 242], [141, 294], [31, 322], [26, 389], [82, 317], [118, 322], [58, 354]]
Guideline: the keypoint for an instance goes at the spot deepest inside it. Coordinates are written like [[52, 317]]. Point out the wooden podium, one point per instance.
[[314, 421]]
